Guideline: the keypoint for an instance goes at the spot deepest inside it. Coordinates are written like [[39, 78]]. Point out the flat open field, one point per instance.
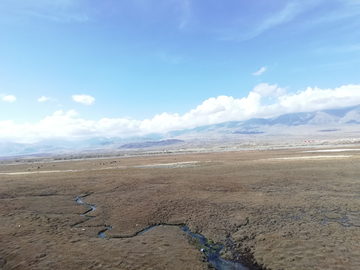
[[281, 209]]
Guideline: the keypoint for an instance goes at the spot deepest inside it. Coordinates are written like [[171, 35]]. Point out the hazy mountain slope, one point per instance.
[[352, 117], [322, 118], [151, 144]]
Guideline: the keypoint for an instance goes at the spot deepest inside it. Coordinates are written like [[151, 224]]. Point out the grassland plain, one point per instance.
[[282, 209]]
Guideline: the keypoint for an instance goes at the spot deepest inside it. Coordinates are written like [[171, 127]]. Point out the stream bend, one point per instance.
[[210, 249]]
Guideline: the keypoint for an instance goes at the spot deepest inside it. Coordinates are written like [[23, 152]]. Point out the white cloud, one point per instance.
[[264, 89], [213, 110], [85, 99], [44, 98], [8, 98], [318, 99], [259, 72]]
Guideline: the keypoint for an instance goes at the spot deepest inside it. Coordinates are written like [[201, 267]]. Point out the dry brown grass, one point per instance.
[[284, 213]]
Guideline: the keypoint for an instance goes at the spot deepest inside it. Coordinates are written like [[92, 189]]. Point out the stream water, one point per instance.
[[210, 249]]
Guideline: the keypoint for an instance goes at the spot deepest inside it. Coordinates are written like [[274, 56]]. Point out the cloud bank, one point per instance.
[[69, 125]]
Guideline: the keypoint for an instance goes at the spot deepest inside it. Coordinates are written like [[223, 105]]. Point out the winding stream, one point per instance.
[[210, 249]]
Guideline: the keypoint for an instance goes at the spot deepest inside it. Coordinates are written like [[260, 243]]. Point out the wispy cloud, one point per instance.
[[264, 89], [338, 10], [287, 14], [346, 9], [44, 98], [274, 14], [60, 17], [300, 15], [8, 98], [185, 6], [84, 99], [259, 72], [61, 11]]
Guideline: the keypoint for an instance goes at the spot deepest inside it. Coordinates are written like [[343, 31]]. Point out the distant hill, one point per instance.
[[261, 125], [150, 144]]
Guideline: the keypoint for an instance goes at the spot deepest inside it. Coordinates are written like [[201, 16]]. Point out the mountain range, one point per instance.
[[316, 124]]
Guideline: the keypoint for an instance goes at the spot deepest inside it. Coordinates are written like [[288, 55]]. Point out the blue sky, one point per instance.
[[76, 69]]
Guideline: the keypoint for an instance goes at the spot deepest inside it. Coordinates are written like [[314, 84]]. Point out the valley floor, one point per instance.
[[281, 209]]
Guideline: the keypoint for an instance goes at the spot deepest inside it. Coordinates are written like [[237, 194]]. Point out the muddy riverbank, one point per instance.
[[210, 249]]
